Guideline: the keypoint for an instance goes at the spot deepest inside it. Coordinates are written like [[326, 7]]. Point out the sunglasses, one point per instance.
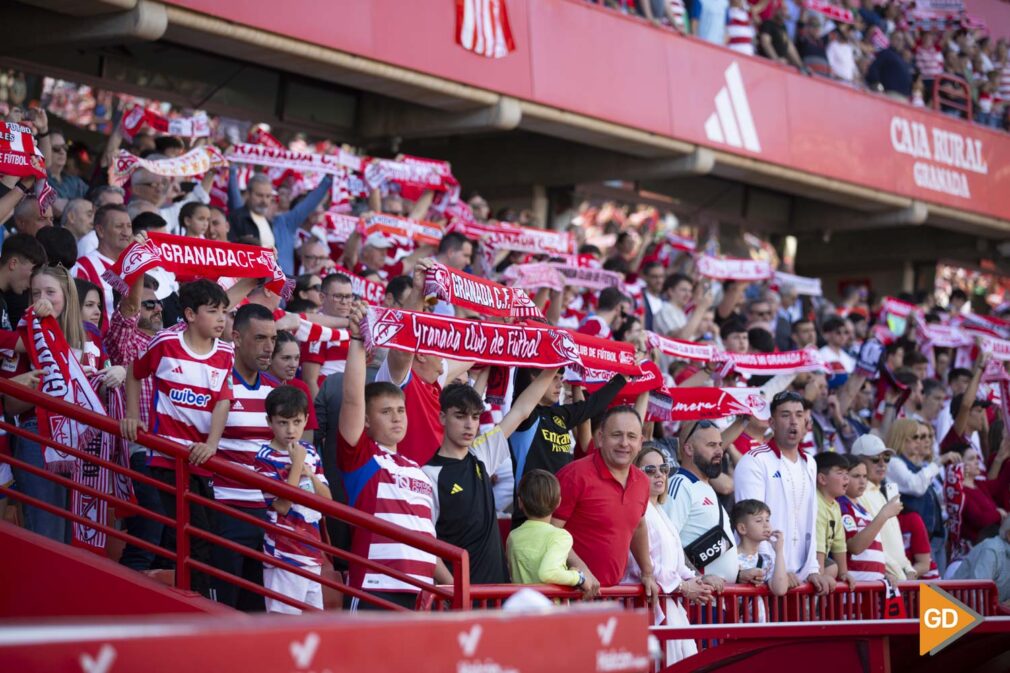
[[150, 304], [885, 459], [700, 424], [786, 396], [919, 438], [59, 148], [652, 469], [314, 288]]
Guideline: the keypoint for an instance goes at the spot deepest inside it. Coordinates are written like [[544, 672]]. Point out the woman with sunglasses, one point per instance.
[[667, 553], [913, 468], [309, 287]]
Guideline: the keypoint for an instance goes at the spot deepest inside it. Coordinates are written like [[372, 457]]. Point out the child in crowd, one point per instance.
[[751, 520], [537, 550], [865, 562], [832, 482], [296, 463]]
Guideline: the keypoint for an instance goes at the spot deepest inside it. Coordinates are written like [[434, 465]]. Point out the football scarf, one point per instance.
[[534, 276], [810, 287], [420, 233], [195, 162], [733, 269], [371, 291], [197, 126], [19, 155], [593, 279], [193, 258], [692, 404], [476, 294], [303, 162], [458, 339]]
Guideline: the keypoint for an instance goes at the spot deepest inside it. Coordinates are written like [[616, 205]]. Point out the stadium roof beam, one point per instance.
[[84, 7], [33, 28], [389, 118], [812, 216]]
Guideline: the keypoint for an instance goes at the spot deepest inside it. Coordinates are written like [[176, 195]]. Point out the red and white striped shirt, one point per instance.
[[90, 267], [277, 465], [929, 62], [187, 387], [867, 566], [394, 489], [1004, 81], [330, 356], [595, 326], [245, 433], [740, 30]]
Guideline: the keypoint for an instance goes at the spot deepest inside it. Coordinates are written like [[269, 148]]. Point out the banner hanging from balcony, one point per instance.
[[482, 26]]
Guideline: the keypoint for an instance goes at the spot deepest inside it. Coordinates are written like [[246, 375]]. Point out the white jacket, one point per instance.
[[758, 476]]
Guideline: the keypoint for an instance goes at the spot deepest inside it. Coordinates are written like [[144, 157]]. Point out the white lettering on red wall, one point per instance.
[[942, 157]]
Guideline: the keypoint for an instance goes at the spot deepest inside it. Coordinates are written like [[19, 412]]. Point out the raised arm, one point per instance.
[[291, 220], [352, 407], [524, 405], [961, 421], [399, 362]]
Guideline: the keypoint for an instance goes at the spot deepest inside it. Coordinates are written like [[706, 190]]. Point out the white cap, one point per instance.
[[379, 240], [869, 445]]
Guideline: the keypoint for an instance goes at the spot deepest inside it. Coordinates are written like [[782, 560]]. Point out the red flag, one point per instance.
[[482, 26]]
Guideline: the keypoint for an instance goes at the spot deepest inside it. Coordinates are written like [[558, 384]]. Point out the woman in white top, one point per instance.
[[670, 567], [915, 468]]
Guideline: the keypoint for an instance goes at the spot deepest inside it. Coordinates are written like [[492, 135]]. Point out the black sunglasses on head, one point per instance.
[[700, 424]]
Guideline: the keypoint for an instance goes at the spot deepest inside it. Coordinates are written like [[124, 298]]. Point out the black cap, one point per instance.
[[955, 404]]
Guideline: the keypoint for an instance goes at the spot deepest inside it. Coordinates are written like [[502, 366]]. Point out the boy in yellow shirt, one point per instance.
[[832, 480], [537, 550]]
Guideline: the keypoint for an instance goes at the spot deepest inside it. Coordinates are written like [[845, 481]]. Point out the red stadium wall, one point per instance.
[[585, 59]]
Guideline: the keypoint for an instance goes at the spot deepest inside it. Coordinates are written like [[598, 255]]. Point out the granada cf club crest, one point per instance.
[[386, 327], [565, 346], [140, 255], [440, 279], [757, 403]]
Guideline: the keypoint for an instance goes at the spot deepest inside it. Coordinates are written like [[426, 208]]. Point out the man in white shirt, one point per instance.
[[838, 334], [693, 505], [784, 477]]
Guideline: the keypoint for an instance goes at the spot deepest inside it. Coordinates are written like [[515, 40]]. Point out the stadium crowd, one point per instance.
[[648, 412], [894, 47]]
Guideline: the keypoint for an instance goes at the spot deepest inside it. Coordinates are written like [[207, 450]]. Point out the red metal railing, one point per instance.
[[960, 101], [458, 595]]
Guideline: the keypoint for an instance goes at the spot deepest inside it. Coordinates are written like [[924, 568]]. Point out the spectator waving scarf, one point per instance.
[[63, 377], [191, 258], [476, 294], [733, 269]]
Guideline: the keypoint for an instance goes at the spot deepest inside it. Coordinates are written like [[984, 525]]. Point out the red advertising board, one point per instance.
[[582, 58]]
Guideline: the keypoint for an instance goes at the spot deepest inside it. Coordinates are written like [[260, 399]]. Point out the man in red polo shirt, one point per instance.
[[603, 502]]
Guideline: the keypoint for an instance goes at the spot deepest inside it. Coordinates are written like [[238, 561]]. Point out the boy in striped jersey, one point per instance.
[[296, 463], [381, 482], [191, 369], [865, 558]]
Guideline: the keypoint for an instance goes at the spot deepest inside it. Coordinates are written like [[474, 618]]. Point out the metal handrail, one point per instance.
[[458, 593], [965, 107]]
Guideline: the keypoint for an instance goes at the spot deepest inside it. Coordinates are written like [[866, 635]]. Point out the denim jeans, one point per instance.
[[39, 521], [140, 526], [236, 563]]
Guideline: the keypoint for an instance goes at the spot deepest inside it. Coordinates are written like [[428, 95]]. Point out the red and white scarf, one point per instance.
[[682, 243], [19, 155], [954, 501], [195, 162], [683, 350], [534, 276], [505, 236], [594, 279], [338, 227], [832, 11], [64, 378], [733, 269], [305, 162], [197, 126], [421, 233], [690, 404], [605, 355], [369, 290], [458, 339], [414, 175], [192, 258], [477, 294], [770, 364]]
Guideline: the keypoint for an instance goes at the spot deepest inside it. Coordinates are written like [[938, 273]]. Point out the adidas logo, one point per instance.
[[177, 370], [777, 475], [237, 406], [731, 123], [456, 488], [706, 501]]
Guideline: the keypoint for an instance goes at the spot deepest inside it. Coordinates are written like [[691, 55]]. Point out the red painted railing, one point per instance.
[[457, 595], [961, 101]]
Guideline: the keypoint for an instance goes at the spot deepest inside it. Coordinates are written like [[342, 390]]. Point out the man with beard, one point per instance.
[[783, 476], [137, 319], [693, 505]]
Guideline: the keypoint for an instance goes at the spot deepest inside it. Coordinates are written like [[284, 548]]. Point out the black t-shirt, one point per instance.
[[466, 514], [16, 305], [542, 440], [779, 36]]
